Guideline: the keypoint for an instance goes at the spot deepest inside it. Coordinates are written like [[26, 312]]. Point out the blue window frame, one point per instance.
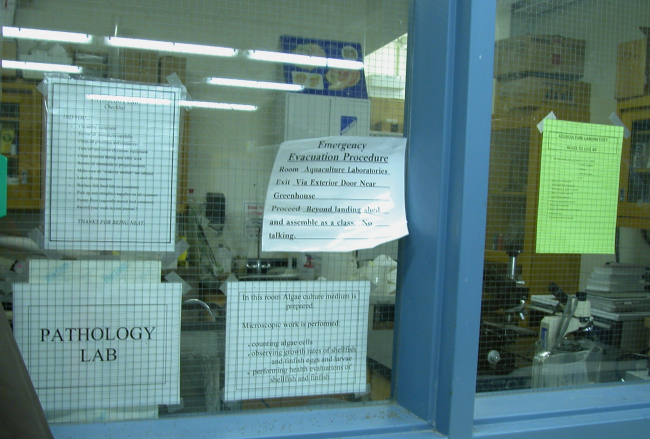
[[450, 83]]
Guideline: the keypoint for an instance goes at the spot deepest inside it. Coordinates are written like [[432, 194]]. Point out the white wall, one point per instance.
[[389, 63]]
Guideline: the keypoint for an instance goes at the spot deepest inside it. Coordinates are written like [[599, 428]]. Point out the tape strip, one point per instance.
[[38, 237], [174, 278], [551, 116], [170, 257], [176, 82], [616, 121]]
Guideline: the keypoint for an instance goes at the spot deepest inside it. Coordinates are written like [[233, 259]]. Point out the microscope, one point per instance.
[[575, 318], [562, 361]]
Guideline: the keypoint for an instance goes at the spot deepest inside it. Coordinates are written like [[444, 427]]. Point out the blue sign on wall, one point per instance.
[[347, 123], [327, 81]]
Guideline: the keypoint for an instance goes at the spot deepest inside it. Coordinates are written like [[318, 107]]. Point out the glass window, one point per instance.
[[140, 140], [565, 298]]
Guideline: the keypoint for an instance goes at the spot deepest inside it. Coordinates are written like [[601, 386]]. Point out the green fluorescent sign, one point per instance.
[[578, 187], [3, 186]]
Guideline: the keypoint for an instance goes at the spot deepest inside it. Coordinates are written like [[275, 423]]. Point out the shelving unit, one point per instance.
[[386, 117], [634, 187], [20, 116]]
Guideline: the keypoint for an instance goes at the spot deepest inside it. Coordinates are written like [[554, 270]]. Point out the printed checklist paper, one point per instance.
[[111, 166], [578, 187]]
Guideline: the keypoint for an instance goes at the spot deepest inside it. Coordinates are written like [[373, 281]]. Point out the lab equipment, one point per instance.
[[502, 308], [215, 210], [558, 361], [572, 363], [575, 316]]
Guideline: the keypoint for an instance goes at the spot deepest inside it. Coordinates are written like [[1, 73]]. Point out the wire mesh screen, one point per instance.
[[140, 140], [565, 300]]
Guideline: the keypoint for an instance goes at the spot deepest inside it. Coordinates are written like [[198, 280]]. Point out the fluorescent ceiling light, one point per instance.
[[40, 66], [218, 105], [162, 101], [163, 46], [344, 64], [255, 84], [129, 99], [289, 58], [48, 35], [305, 60]]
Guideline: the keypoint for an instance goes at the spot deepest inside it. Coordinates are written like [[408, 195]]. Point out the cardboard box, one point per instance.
[[632, 69], [387, 127], [173, 64], [533, 92], [140, 66], [383, 109], [551, 56], [94, 64], [10, 52], [387, 115]]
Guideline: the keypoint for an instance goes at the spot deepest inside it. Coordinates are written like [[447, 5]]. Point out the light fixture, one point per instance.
[[40, 66], [164, 46], [289, 58], [304, 60], [48, 35], [344, 64], [218, 105], [254, 84], [129, 99], [162, 101]]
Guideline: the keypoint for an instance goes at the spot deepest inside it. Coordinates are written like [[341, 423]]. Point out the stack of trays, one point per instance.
[[617, 278], [618, 288]]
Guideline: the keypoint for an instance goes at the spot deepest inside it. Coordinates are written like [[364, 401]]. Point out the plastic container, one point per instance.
[[223, 255], [575, 363]]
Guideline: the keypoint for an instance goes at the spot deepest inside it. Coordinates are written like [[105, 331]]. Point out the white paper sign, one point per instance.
[[111, 166], [47, 271], [335, 194], [295, 338], [105, 346], [253, 214]]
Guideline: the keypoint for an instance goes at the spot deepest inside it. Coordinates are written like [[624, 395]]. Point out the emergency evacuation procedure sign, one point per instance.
[[335, 194]]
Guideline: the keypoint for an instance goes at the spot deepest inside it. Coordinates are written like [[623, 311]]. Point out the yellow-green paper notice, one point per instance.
[[578, 187]]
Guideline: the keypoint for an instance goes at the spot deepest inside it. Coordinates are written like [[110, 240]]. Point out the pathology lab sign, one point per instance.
[[97, 334], [108, 346]]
